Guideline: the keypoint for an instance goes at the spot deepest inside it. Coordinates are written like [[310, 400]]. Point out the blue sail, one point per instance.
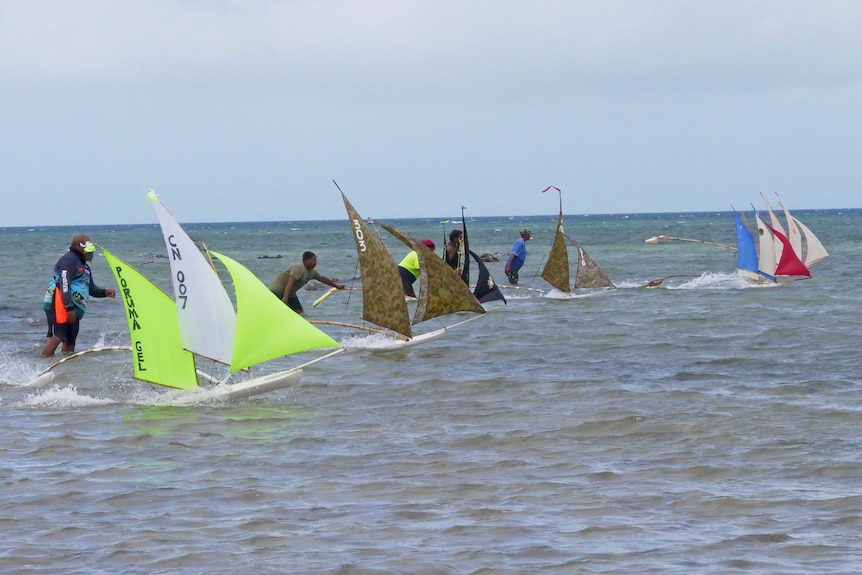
[[746, 253]]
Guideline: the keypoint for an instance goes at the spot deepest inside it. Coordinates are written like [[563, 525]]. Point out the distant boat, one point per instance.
[[802, 240], [774, 255], [771, 260], [441, 290], [557, 271]]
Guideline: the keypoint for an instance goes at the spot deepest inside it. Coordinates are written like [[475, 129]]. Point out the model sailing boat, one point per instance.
[[779, 256], [441, 290], [486, 289], [261, 328], [805, 245], [776, 255], [556, 271]]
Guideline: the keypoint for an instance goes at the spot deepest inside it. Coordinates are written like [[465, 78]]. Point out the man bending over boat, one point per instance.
[[409, 268], [287, 283]]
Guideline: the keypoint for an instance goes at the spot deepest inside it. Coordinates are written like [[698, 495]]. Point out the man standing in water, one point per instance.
[[518, 256], [409, 268], [287, 283], [72, 283], [453, 250]]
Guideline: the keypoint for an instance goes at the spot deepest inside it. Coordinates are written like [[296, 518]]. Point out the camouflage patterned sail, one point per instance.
[[589, 274], [382, 294], [556, 270], [441, 289]]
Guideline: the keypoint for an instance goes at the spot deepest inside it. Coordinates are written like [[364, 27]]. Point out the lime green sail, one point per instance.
[[265, 327], [157, 350]]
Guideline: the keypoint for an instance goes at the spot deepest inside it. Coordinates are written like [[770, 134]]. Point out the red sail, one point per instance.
[[789, 264]]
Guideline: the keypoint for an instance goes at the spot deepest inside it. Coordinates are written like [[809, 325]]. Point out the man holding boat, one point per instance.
[[66, 298], [287, 283]]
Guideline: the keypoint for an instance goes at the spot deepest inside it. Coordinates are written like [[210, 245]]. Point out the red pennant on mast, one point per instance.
[[549, 187]]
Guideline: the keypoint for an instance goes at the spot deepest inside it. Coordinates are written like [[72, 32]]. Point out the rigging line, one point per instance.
[[360, 327], [539, 269], [353, 281]]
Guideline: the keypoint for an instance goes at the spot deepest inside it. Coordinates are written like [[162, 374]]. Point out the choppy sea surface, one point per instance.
[[699, 426]]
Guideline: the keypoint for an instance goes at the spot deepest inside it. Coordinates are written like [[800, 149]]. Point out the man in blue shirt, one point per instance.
[[518, 256]]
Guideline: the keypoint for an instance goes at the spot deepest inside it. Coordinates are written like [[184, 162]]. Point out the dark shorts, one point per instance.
[[293, 303], [407, 280], [65, 332], [513, 278]]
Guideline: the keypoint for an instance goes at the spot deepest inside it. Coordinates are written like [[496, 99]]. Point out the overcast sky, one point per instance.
[[246, 110]]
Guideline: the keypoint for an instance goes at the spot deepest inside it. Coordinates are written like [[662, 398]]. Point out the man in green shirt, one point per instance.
[[287, 283]]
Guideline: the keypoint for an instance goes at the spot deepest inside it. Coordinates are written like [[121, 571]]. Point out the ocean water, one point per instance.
[[700, 426]]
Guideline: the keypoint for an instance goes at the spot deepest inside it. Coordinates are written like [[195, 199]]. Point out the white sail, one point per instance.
[[206, 315], [773, 219], [814, 251], [792, 234], [767, 261]]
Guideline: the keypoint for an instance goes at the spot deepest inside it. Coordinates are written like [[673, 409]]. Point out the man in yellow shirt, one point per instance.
[[409, 268]]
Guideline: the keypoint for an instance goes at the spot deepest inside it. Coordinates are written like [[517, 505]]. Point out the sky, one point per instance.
[[248, 110]]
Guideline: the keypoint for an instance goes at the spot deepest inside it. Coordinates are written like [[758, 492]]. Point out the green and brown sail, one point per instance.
[[556, 270], [383, 301], [441, 289], [589, 274]]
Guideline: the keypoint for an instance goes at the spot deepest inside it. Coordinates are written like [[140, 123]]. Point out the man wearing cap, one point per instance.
[[409, 268], [518, 256], [72, 282]]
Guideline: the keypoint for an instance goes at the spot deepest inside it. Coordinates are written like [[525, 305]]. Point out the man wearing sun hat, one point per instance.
[[409, 268], [517, 256], [67, 293]]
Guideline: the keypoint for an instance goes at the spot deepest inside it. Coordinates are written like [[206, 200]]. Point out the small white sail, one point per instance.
[[206, 316], [814, 251], [773, 219], [792, 234], [767, 261]]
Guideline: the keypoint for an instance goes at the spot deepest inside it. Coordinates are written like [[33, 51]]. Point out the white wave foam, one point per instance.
[[62, 398], [715, 281], [370, 341]]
